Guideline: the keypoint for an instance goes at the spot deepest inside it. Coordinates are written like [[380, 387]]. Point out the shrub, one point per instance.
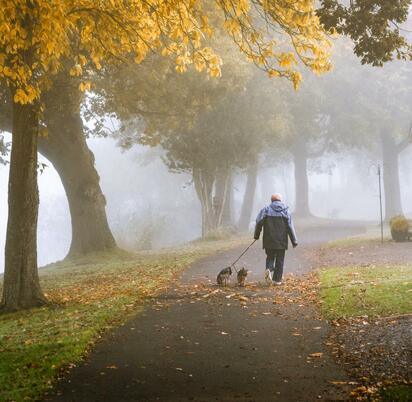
[[399, 228]]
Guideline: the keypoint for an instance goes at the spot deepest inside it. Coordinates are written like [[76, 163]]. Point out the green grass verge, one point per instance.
[[372, 291], [87, 295], [398, 393]]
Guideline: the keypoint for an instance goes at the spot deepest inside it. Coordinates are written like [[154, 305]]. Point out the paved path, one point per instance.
[[198, 343]]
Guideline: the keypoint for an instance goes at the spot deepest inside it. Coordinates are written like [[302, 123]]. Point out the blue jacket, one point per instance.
[[277, 225]]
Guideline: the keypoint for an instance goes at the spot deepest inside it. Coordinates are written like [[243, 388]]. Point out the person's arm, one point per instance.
[[292, 232], [259, 223]]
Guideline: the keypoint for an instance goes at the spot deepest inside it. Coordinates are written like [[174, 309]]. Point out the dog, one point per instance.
[[223, 276], [241, 276]]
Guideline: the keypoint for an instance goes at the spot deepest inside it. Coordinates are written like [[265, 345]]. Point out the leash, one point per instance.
[[241, 255]]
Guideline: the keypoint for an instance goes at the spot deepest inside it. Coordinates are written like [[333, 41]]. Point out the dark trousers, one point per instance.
[[274, 262]]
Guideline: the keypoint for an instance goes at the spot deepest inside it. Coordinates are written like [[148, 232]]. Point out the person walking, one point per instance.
[[277, 225]]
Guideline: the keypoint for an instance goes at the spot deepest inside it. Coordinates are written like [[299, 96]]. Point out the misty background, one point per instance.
[[150, 207]]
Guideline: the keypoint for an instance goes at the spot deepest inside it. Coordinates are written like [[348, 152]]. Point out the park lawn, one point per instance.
[[397, 393], [87, 296], [372, 291]]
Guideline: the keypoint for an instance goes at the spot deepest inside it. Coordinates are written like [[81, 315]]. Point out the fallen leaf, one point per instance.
[[317, 354]]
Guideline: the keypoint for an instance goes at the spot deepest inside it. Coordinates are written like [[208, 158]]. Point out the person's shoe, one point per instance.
[[268, 276], [276, 283]]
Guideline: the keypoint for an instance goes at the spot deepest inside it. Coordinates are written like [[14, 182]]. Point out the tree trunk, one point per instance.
[[219, 200], [21, 287], [300, 159], [391, 183], [227, 218], [66, 148], [249, 196], [204, 189]]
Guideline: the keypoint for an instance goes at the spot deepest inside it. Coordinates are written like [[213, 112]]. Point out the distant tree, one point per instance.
[[265, 120], [384, 102], [324, 118], [304, 134], [207, 127], [308, 139], [369, 109], [229, 135], [378, 30]]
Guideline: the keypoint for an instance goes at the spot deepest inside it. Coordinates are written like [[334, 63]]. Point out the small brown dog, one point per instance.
[[241, 276], [223, 276]]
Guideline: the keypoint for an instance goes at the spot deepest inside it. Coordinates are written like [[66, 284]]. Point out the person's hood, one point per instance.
[[279, 206]]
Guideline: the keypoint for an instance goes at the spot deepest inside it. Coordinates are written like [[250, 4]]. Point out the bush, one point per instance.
[[399, 228]]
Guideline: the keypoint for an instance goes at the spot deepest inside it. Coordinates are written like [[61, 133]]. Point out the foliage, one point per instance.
[[207, 127], [231, 132], [400, 227], [152, 99], [373, 25], [326, 116], [88, 295], [372, 291], [399, 224], [37, 36]]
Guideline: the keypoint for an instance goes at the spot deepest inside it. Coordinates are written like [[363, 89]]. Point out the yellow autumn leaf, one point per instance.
[[85, 86]]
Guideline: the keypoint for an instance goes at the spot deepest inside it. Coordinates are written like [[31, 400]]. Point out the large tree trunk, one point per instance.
[[66, 147], [300, 159], [21, 287], [249, 196], [391, 183]]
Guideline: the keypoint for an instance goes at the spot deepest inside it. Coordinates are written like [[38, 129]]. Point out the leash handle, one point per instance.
[[241, 255]]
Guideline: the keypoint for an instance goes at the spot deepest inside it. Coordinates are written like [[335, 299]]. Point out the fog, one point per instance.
[[139, 197], [150, 206]]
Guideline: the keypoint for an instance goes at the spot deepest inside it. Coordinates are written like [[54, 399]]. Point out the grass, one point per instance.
[[87, 296], [397, 393], [353, 241], [373, 291]]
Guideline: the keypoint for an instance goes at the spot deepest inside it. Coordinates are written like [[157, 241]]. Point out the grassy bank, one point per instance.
[[87, 296], [372, 291]]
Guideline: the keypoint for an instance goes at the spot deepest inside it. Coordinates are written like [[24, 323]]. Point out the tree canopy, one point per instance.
[[36, 37]]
